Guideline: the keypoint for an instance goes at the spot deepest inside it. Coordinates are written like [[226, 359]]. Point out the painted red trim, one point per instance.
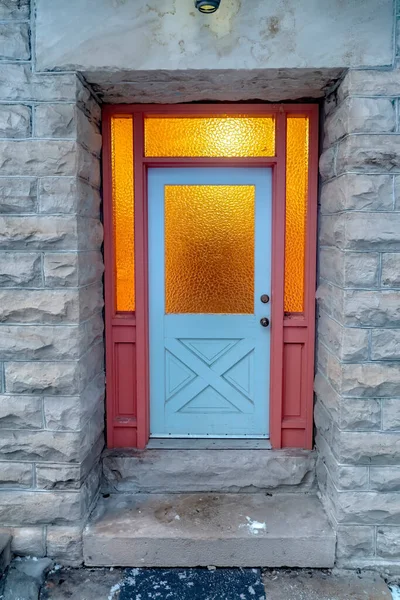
[[285, 429], [252, 161], [278, 284], [141, 284], [311, 271]]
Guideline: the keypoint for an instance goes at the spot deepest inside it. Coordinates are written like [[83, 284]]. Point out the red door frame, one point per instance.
[[292, 336]]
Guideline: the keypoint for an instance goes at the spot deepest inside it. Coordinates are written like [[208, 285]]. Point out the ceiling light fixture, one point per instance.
[[207, 6]]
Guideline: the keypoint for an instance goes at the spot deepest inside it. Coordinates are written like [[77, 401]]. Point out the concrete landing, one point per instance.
[[213, 470], [226, 530]]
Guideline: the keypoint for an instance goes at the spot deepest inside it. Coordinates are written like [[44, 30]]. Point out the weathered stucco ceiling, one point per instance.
[[111, 35]]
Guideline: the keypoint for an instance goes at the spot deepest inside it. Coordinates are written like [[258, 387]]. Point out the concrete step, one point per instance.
[[5, 551], [222, 471], [225, 530]]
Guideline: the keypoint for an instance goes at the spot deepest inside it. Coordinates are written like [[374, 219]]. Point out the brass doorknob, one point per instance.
[[264, 322]]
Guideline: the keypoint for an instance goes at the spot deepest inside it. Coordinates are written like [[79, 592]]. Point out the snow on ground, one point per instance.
[[395, 589]]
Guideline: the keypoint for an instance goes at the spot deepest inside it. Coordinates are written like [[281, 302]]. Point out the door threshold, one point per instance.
[[208, 444]]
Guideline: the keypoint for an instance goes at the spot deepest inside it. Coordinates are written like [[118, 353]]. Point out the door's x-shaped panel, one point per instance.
[[209, 375]]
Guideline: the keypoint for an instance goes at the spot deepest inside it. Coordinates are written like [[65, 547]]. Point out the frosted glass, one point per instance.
[[296, 212], [123, 211], [217, 136], [209, 248]]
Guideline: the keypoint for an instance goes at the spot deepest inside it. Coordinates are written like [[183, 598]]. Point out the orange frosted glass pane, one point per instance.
[[218, 136], [296, 212], [209, 249], [123, 211]]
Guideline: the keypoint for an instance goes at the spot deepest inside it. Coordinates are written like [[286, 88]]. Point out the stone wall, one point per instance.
[[51, 325], [357, 413]]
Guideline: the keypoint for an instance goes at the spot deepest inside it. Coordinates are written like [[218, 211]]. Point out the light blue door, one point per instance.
[[209, 265]]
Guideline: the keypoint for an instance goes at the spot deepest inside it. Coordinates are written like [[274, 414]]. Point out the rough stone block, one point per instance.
[[14, 9], [87, 102], [20, 270], [38, 306], [42, 378], [64, 544], [91, 364], [89, 200], [58, 195], [385, 479], [367, 508], [348, 344], [61, 270], [42, 158], [343, 477], [355, 542], [92, 397], [88, 133], [36, 508], [18, 195], [372, 308], [357, 191], [63, 413], [397, 192], [90, 233], [331, 300], [91, 300], [20, 412], [327, 163], [367, 448], [17, 82], [361, 231], [68, 195], [379, 380], [328, 396], [391, 414], [42, 342], [55, 120], [92, 430], [58, 477], [370, 82], [93, 457], [388, 542], [329, 366], [378, 153], [362, 414], [88, 166], [15, 121], [349, 269], [323, 423], [385, 344], [38, 232], [91, 267], [28, 541], [222, 471], [14, 41], [40, 446], [360, 115], [16, 475], [391, 270]]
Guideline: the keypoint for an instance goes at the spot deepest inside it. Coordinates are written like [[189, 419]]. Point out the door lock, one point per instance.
[[264, 322], [264, 298]]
